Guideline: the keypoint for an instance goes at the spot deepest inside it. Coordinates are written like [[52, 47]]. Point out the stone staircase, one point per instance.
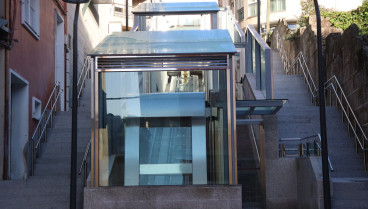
[[49, 187], [300, 118]]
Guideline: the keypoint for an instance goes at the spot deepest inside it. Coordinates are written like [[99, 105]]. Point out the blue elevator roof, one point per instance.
[[199, 42], [149, 9]]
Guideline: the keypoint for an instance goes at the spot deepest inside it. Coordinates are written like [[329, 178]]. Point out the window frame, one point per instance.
[[277, 3], [31, 21], [250, 5]]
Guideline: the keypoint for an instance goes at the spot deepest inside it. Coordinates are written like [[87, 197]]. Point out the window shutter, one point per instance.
[[37, 17]]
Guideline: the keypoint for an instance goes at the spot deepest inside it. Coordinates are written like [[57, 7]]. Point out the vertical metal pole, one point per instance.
[[233, 148], [85, 173], [32, 158], [259, 16], [126, 16], [73, 164], [322, 110]]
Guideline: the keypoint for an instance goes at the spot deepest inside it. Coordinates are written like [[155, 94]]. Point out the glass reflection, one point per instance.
[[163, 128]]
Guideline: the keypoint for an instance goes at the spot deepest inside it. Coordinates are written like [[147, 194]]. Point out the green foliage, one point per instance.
[[344, 19], [293, 35], [307, 10], [307, 7], [303, 21]]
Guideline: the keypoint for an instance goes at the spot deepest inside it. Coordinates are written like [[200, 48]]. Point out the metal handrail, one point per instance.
[[240, 31], [83, 75], [307, 75], [83, 166], [255, 142], [134, 28], [330, 83], [44, 112], [85, 157], [316, 136], [232, 25], [262, 43], [41, 127]]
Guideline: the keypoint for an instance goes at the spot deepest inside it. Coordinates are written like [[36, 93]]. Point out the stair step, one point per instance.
[[50, 185]]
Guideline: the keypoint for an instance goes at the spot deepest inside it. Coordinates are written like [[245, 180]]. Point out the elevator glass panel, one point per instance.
[[163, 128]]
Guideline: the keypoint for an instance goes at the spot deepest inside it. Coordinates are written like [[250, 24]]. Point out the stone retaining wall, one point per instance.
[[160, 197]]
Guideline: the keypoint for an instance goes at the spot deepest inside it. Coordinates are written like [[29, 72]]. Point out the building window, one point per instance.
[[252, 8], [118, 10], [31, 16], [277, 5], [241, 14]]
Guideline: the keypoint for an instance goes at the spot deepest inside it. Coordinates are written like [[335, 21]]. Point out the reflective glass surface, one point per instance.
[[263, 70], [163, 128], [166, 42], [176, 8]]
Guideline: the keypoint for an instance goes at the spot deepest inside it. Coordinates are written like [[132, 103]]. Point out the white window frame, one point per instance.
[[279, 5], [251, 5], [31, 16]]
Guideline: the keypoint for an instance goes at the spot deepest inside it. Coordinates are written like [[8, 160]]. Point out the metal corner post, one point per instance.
[[322, 110], [73, 164], [259, 16]]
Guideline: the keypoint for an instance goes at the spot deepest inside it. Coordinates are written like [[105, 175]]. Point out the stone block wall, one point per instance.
[[345, 55], [303, 40], [161, 197]]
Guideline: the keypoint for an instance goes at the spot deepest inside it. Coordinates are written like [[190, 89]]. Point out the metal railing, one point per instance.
[[85, 73], [299, 65], [255, 142], [258, 61], [354, 127], [40, 133], [134, 28], [84, 165], [229, 22], [302, 147], [332, 85]]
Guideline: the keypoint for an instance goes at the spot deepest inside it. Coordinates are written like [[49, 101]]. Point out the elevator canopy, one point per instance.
[[166, 43], [151, 9]]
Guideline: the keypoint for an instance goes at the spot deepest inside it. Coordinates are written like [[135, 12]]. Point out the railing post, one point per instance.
[[51, 109], [39, 139], [308, 153], [45, 137], [315, 147], [300, 149], [85, 173], [32, 157], [39, 150], [89, 68], [330, 97], [365, 159]]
